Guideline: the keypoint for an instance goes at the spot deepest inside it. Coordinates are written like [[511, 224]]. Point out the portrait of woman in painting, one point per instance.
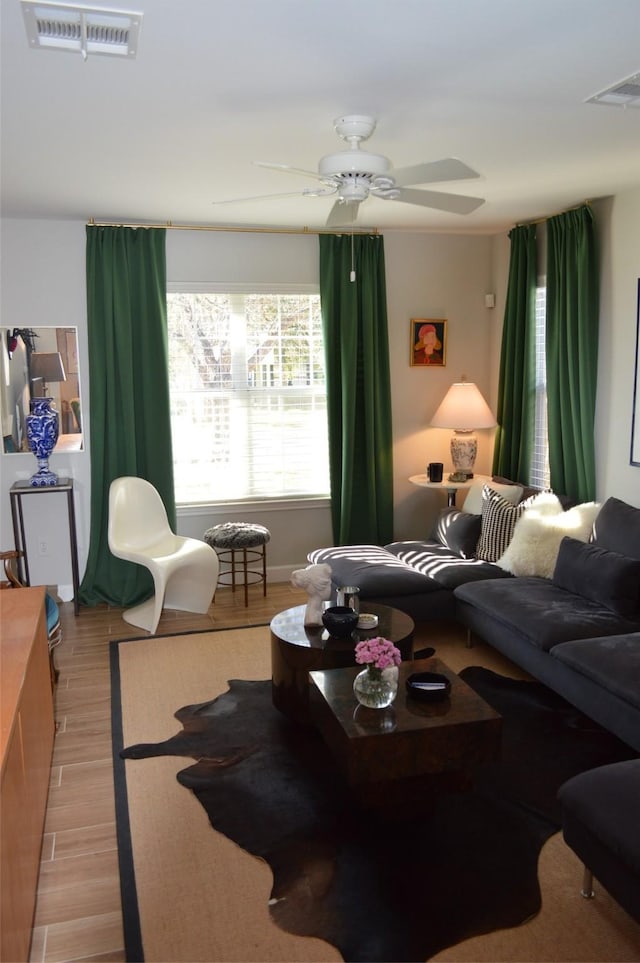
[[428, 342]]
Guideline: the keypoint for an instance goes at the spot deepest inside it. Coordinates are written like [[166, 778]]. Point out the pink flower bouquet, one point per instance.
[[377, 653]]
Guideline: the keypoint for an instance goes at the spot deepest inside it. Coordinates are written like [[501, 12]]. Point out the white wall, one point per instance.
[[434, 276], [43, 283], [618, 220]]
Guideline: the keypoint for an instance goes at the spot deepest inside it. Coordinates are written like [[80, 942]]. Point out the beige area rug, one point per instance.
[[199, 897]]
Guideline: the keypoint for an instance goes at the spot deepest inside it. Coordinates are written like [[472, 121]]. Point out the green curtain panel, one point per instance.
[[129, 391], [572, 351], [516, 389], [354, 316]]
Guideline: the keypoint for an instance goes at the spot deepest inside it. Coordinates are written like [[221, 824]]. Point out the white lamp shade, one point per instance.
[[463, 408]]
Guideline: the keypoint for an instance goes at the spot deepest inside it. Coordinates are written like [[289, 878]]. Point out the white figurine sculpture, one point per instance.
[[316, 580]]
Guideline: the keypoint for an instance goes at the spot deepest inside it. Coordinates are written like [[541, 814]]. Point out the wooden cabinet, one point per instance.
[[26, 744]]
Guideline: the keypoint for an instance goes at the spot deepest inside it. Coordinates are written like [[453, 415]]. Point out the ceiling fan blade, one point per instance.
[[453, 203], [343, 213], [308, 192], [448, 169], [287, 169]]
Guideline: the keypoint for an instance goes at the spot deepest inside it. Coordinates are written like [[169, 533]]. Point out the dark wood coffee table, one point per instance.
[[387, 754], [297, 649]]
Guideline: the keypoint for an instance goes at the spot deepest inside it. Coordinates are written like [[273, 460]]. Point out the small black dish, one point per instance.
[[428, 686], [340, 620]]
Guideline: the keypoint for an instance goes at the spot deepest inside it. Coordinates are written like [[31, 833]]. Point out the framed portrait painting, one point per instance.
[[428, 342]]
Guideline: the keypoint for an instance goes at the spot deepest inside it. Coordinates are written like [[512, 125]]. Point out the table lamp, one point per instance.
[[464, 409], [46, 366]]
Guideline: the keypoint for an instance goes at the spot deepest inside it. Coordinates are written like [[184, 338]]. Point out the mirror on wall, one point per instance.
[[36, 363]]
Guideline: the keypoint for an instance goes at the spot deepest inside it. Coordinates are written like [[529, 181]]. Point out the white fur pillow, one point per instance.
[[534, 548], [473, 501]]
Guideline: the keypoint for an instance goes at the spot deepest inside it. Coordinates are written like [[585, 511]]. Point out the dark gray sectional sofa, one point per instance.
[[578, 631]]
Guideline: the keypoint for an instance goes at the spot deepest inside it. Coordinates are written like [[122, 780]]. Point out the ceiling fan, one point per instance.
[[355, 174]]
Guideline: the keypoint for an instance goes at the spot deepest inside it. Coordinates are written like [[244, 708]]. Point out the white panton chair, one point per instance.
[[184, 570]]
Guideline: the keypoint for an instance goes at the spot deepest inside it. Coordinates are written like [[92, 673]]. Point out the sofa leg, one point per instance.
[[469, 642], [587, 884]]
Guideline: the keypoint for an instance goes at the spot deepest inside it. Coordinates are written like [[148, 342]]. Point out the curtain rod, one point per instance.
[[542, 220], [169, 225]]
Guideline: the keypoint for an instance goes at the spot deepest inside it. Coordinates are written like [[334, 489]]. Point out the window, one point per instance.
[[539, 472], [248, 396]]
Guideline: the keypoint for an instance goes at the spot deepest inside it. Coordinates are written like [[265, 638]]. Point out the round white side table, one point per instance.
[[422, 481]]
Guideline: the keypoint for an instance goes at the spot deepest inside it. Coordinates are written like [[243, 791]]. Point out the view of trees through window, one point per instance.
[[248, 398]]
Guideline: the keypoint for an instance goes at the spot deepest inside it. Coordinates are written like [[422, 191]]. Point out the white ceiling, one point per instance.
[[217, 84]]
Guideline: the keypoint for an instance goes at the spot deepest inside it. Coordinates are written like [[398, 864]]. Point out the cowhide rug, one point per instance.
[[386, 886]]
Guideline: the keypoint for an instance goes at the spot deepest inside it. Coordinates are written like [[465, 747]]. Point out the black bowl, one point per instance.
[[340, 621], [428, 686]]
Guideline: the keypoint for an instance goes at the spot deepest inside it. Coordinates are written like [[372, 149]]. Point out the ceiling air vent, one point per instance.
[[85, 30], [626, 93]]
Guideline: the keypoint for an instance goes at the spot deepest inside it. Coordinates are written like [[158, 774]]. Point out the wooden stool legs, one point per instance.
[[239, 560]]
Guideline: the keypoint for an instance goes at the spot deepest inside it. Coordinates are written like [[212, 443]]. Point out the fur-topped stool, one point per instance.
[[239, 545]]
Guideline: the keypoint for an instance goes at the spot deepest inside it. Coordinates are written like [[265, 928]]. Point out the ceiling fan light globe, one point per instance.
[[354, 189]]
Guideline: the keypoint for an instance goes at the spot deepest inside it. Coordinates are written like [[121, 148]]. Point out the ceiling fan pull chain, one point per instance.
[[352, 276]]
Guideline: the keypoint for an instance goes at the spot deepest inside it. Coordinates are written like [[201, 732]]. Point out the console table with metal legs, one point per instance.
[[18, 490]]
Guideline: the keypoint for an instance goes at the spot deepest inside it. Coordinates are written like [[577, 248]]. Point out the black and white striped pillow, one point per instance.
[[499, 519]]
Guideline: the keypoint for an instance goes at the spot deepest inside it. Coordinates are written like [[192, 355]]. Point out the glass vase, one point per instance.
[[376, 688]]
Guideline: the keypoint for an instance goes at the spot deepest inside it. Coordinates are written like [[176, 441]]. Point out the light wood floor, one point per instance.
[[78, 915], [78, 908]]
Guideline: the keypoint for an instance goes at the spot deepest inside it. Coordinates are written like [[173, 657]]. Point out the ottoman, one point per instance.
[[240, 545]]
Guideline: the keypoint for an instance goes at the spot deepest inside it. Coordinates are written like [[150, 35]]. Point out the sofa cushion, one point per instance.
[[527, 490], [458, 531], [600, 575], [533, 550], [499, 519], [377, 572], [473, 501], [541, 612], [613, 662], [617, 528], [443, 567]]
